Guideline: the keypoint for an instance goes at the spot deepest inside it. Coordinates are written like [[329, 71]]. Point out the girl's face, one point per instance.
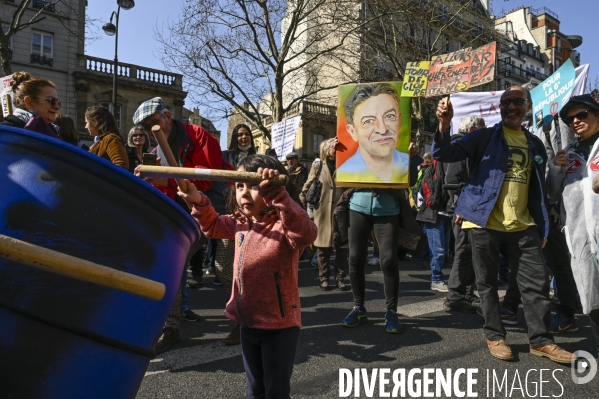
[[243, 136], [42, 104], [248, 199], [91, 127]]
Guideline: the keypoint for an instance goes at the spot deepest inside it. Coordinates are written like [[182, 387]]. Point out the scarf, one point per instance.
[[176, 141]]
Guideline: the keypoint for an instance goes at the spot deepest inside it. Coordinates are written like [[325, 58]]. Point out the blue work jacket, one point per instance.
[[478, 198]]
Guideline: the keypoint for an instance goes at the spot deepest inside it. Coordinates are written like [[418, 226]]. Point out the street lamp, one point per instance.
[[110, 29]]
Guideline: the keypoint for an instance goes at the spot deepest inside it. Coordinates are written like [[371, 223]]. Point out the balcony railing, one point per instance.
[[130, 71], [40, 59], [39, 4], [519, 72]]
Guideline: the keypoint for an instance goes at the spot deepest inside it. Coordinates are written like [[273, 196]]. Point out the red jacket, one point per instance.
[[265, 292], [205, 153]]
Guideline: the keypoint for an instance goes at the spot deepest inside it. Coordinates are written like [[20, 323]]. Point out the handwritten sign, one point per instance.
[[415, 79], [4, 90], [484, 104], [552, 94], [283, 136], [458, 71]]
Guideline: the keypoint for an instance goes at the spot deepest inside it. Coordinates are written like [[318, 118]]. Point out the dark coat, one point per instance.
[[478, 198]]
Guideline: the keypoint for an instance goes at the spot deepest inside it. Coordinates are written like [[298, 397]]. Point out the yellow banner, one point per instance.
[[415, 79]]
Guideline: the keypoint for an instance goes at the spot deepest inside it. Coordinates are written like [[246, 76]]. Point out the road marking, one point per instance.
[[192, 356]]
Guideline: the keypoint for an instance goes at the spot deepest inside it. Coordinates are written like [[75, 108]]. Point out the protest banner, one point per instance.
[[552, 94], [6, 89], [415, 79], [373, 129], [483, 103], [458, 71], [283, 136]]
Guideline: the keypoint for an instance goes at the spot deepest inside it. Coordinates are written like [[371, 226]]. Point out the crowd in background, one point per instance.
[[510, 209]]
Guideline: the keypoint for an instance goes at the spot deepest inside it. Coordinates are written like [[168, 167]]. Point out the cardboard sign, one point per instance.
[[4, 90], [552, 94], [373, 129], [458, 71], [415, 79], [283, 136], [483, 103]]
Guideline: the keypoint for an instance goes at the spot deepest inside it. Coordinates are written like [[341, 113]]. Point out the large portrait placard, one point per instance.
[[373, 129]]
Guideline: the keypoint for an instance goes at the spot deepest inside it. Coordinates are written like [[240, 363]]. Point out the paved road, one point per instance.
[[201, 367]]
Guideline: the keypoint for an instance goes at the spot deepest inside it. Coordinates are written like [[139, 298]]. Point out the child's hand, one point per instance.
[[192, 196], [266, 175]]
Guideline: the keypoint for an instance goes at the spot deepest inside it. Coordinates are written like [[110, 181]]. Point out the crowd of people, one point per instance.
[[494, 197]]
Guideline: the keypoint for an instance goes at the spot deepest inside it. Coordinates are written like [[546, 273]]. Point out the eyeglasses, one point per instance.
[[582, 115], [138, 135], [518, 102], [53, 101], [148, 125]]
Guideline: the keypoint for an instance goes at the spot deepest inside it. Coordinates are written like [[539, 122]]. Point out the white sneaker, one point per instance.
[[439, 286], [374, 261]]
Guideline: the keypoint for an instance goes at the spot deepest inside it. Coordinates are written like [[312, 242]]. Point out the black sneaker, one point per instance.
[[190, 316], [471, 299], [217, 281], [234, 337], [561, 324], [458, 306], [167, 338], [507, 316], [194, 284]]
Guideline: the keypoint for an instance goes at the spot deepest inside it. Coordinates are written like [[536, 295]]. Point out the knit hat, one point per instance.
[[148, 108]]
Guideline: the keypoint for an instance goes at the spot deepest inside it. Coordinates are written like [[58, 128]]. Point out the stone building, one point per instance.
[[47, 49], [136, 84]]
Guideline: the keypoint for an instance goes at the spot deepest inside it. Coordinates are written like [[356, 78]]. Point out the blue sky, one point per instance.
[[137, 45]]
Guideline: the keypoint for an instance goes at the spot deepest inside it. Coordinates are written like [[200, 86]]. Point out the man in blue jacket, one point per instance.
[[503, 209]]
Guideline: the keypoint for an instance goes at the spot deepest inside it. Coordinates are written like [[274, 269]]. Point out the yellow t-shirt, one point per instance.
[[511, 209]]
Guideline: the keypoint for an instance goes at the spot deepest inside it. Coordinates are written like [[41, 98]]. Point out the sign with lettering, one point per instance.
[[283, 136], [415, 79], [483, 103], [552, 94], [6, 89], [458, 71]]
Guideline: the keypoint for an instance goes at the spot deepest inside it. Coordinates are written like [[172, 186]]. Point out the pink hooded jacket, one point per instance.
[[265, 291]]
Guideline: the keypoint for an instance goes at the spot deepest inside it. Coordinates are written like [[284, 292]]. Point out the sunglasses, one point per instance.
[[582, 115], [518, 102], [53, 101]]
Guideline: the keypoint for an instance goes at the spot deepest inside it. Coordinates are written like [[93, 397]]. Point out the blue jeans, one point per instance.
[[436, 236], [184, 295]]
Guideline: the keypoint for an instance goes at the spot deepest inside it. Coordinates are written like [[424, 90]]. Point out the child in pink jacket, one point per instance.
[[265, 296]]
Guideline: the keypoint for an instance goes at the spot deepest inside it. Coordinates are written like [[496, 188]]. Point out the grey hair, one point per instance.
[[362, 93], [146, 146], [427, 156], [469, 121]]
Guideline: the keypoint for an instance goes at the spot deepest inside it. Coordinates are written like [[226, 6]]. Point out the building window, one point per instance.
[[559, 45], [318, 139], [478, 27], [443, 12], [558, 63], [39, 4], [42, 48], [459, 22], [118, 112], [446, 45], [5, 29]]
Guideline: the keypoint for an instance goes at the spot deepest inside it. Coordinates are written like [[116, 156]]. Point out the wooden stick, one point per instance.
[[166, 149], [55, 262], [208, 174]]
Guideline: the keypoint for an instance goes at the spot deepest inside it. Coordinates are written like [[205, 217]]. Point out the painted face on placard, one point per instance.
[[376, 122]]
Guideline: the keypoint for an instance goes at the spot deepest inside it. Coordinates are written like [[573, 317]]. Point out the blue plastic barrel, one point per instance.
[[65, 338]]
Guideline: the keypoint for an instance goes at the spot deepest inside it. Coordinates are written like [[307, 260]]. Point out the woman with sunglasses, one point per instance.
[[138, 142], [570, 175], [36, 104], [101, 124]]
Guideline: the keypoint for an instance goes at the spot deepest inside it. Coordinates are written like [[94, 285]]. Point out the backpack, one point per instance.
[[431, 187]]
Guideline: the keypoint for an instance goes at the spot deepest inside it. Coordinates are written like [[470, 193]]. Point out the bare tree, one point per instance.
[[420, 30], [18, 22], [262, 57]]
